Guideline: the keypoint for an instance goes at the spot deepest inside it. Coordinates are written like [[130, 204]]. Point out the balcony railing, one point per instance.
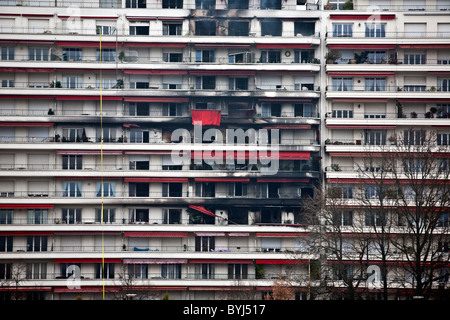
[[377, 34], [387, 88], [388, 115]]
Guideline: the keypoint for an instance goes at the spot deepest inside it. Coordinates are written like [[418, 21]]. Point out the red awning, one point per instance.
[[162, 152], [159, 179], [282, 155], [14, 288], [155, 44], [109, 98], [285, 180], [155, 71], [356, 154], [290, 126], [280, 261], [386, 181], [26, 96], [161, 234], [339, 126], [360, 100], [26, 233], [203, 210], [378, 74], [281, 234], [283, 45], [87, 260], [26, 124], [155, 99], [86, 289], [26, 206], [154, 261], [206, 117], [46, 70], [361, 46], [67, 233], [424, 46], [89, 152], [223, 72], [284, 100], [437, 100], [28, 41], [248, 261], [91, 44], [221, 45], [362, 16], [222, 179]]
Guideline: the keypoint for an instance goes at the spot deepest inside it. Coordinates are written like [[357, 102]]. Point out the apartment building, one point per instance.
[[93, 203], [97, 97]]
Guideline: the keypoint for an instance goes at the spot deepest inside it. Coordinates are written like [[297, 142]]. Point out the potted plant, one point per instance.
[[51, 112], [328, 6], [335, 167], [119, 84], [348, 5], [433, 109], [413, 114], [121, 56], [361, 58], [392, 140], [332, 56]]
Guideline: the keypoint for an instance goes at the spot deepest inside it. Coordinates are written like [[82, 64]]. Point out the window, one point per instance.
[[172, 4], [107, 134], [105, 30], [109, 215], [237, 189], [238, 28], [5, 271], [205, 4], [172, 189], [204, 56], [72, 54], [138, 189], [37, 216], [342, 30], [239, 56], [135, 3], [171, 271], [7, 53], [342, 84], [205, 82], [338, 4], [36, 271], [73, 134], [271, 56], [304, 110], [6, 216], [139, 215], [303, 56], [271, 4], [104, 271], [172, 110], [342, 114], [72, 82], [443, 110], [204, 271], [238, 83], [138, 271], [237, 271], [443, 221], [443, 85], [271, 28], [372, 192], [373, 218], [107, 55], [344, 192], [205, 28], [7, 83], [375, 30], [72, 162], [6, 243], [37, 243], [71, 216], [171, 216], [414, 58], [139, 162], [376, 56], [373, 138], [414, 137], [344, 218], [172, 57], [205, 189], [172, 82], [443, 139], [414, 165], [71, 189], [140, 109], [39, 54], [205, 244], [139, 29], [109, 189], [304, 28], [172, 29], [139, 136], [68, 269], [271, 110], [237, 4]]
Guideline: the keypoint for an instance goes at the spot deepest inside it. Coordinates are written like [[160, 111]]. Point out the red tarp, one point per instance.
[[206, 117]]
